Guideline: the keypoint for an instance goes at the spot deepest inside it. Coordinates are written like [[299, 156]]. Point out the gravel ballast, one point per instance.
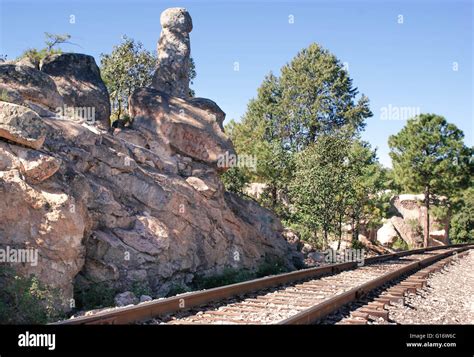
[[448, 298]]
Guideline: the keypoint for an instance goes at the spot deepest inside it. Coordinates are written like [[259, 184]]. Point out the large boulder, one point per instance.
[[179, 126], [27, 86], [172, 72], [78, 80], [21, 125], [387, 235]]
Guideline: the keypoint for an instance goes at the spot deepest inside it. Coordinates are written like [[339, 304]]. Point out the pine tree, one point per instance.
[[429, 156]]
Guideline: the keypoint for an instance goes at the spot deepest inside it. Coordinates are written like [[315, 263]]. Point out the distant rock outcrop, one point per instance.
[[407, 223]]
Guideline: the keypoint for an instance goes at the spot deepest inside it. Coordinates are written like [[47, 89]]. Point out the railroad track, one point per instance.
[[299, 297]]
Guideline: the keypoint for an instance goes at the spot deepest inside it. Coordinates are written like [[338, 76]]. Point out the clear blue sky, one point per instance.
[[402, 65]]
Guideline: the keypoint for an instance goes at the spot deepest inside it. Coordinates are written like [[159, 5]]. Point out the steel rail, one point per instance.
[[323, 309], [149, 310]]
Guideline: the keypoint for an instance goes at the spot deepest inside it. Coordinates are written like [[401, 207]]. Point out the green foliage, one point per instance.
[[227, 277], [292, 117], [429, 156], [357, 244], [235, 275], [271, 267], [25, 300], [366, 200], [51, 41], [462, 222], [4, 97], [126, 68], [430, 153], [192, 75], [235, 179], [317, 97], [178, 289], [415, 226], [318, 190], [95, 296], [141, 288], [400, 245]]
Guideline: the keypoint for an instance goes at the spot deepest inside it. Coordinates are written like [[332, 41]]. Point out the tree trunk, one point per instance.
[[119, 111], [274, 197], [340, 232], [427, 218]]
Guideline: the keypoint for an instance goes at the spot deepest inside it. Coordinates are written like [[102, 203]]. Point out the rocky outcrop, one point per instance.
[[78, 80], [174, 48], [27, 86], [407, 221], [142, 205]]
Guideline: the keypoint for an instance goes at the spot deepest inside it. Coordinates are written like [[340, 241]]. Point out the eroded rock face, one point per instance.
[[139, 219], [174, 48], [27, 86], [48, 220], [178, 126], [78, 80]]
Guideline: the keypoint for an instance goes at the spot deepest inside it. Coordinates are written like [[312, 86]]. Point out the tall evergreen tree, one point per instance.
[[429, 156]]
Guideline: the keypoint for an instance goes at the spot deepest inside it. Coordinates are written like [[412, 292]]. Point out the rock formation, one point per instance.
[[408, 218], [142, 205], [172, 73], [78, 80]]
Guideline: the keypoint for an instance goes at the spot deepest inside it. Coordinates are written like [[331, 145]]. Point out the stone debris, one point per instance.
[[126, 298]]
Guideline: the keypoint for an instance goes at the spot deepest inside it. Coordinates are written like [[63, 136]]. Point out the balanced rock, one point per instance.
[[78, 80], [172, 72]]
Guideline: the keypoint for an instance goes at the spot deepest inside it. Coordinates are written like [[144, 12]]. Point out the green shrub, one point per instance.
[[271, 267], [178, 289], [233, 275], [356, 244], [400, 244], [227, 277], [25, 300], [95, 296], [140, 288]]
